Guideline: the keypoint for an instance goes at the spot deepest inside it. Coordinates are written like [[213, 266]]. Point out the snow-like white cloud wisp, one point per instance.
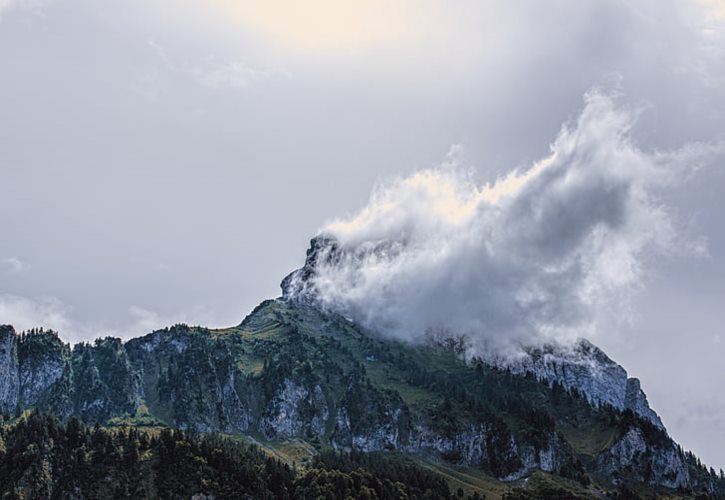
[[536, 256]]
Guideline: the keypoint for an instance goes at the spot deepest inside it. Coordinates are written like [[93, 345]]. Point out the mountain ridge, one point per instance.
[[293, 372], [286, 385]]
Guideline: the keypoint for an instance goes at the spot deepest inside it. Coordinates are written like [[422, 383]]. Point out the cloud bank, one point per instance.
[[536, 256]]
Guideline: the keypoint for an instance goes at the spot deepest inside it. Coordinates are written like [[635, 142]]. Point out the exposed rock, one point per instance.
[[9, 376], [636, 400], [631, 458], [42, 361], [284, 420], [587, 369], [299, 284]]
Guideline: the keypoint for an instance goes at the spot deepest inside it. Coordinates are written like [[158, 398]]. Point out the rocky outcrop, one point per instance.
[[42, 361], [288, 413], [38, 370], [30, 364], [633, 459], [480, 445], [9, 375], [299, 285], [636, 400], [586, 368]]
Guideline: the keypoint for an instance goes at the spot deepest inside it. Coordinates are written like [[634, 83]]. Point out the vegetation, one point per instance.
[[43, 458], [301, 383]]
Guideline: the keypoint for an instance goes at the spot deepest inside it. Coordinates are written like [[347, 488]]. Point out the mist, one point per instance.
[[538, 255]]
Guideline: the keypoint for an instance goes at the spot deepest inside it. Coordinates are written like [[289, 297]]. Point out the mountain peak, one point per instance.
[[580, 365], [298, 285]]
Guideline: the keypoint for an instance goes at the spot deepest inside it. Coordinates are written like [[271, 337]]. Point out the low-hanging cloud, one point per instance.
[[535, 256], [25, 313]]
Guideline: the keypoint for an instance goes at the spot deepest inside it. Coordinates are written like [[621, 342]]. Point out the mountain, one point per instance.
[[43, 458], [301, 382], [586, 368]]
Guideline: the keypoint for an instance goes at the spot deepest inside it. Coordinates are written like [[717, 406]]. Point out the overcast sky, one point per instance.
[[165, 161]]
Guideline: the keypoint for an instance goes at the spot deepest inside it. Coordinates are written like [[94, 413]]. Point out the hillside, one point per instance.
[[299, 381], [42, 458], [303, 384]]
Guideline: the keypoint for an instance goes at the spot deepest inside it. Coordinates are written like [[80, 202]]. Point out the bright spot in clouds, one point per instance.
[[325, 26]]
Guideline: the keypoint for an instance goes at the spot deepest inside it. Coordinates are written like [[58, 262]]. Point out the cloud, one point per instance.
[[142, 321], [7, 6], [232, 74], [211, 72], [328, 26], [715, 8], [14, 264], [535, 256], [25, 313]]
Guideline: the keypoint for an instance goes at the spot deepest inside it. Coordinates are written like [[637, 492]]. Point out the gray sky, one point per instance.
[[166, 161]]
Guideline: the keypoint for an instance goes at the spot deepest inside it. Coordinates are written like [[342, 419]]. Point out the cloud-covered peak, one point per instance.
[[535, 256]]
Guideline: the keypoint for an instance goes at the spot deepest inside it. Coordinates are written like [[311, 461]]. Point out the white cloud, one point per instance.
[[142, 321], [211, 72], [14, 264], [232, 74], [24, 313], [534, 256], [7, 6]]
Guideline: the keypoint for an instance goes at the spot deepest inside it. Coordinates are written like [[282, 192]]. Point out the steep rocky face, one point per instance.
[[38, 370], [636, 400], [9, 376], [30, 364], [633, 459], [587, 369], [299, 284], [42, 361]]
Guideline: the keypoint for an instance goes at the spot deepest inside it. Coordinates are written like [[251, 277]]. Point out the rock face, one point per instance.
[[633, 459], [42, 361], [636, 400], [9, 375], [299, 284], [285, 418], [29, 365], [587, 369], [37, 370]]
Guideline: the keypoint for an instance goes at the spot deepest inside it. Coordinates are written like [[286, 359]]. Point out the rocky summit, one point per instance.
[[300, 382]]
